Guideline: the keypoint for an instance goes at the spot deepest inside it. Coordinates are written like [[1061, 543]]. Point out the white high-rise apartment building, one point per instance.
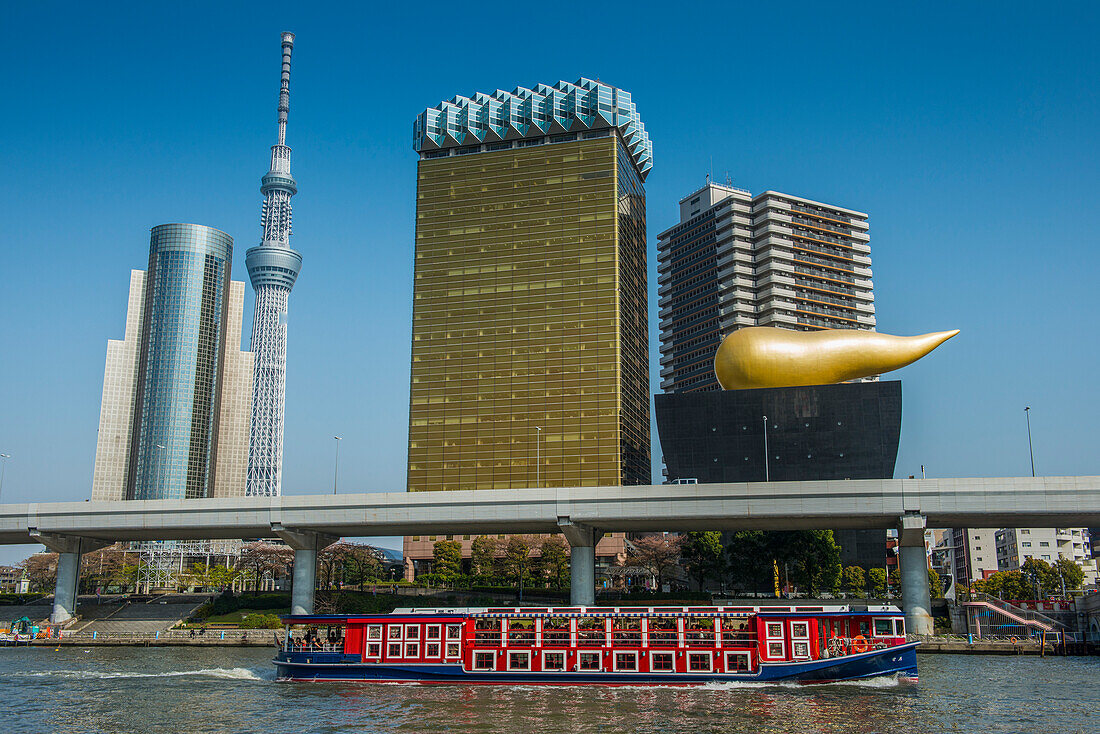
[[773, 259], [1016, 545]]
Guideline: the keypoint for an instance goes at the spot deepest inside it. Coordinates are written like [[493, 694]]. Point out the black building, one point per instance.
[[845, 431]]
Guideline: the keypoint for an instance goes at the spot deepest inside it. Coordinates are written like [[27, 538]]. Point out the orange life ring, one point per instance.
[[1014, 640], [859, 644]]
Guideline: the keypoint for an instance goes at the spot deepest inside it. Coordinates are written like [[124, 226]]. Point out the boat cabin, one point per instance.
[[725, 640]]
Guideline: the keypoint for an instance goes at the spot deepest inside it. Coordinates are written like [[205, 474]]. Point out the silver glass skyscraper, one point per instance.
[[173, 422], [272, 267]]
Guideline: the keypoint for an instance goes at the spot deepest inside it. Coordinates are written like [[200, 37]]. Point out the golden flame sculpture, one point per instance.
[[764, 356]]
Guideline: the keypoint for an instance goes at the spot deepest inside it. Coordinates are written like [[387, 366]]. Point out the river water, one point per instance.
[[231, 690]]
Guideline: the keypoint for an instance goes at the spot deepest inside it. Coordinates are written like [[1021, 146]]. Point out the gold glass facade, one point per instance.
[[529, 313]]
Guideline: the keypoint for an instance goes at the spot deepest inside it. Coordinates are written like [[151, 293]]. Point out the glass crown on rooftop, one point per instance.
[[531, 113]]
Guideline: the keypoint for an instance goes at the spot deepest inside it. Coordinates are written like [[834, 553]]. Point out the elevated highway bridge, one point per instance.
[[308, 523]]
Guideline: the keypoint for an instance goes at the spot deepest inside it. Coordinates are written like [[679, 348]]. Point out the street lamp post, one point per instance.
[[3, 466], [1030, 450], [336, 467], [767, 470], [538, 460]]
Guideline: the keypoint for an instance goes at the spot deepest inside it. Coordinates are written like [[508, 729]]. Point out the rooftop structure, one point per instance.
[[463, 124]]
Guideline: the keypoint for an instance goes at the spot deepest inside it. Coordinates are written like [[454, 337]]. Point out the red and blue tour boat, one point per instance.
[[600, 645]]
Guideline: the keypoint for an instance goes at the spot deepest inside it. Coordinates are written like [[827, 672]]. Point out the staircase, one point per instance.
[[988, 616]]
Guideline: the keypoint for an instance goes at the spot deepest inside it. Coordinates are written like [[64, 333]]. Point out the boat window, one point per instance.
[[487, 624], [626, 661], [699, 661], [864, 627], [899, 627], [775, 649], [775, 629], [374, 650], [412, 632], [801, 649], [374, 632], [432, 650], [800, 629], [484, 660], [589, 660], [452, 650], [393, 650], [663, 631], [660, 661], [736, 631], [519, 661], [454, 632], [555, 623], [412, 650], [395, 632], [590, 631], [434, 631], [737, 662], [521, 624], [553, 661], [626, 623], [884, 627]]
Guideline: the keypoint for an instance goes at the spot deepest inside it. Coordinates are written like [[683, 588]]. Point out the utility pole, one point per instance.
[[3, 466], [336, 467], [1030, 450]]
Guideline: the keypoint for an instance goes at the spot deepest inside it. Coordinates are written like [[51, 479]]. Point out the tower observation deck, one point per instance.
[[272, 267]]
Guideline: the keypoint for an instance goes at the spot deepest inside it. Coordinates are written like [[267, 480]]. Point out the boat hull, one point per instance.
[[900, 661]]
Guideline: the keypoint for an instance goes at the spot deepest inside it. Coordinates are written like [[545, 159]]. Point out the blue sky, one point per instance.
[[967, 132]]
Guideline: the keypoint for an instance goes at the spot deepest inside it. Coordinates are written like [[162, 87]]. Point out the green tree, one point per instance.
[[222, 577], [854, 579], [750, 556], [1070, 572], [1006, 585], [517, 561], [701, 555], [361, 565], [1040, 576], [483, 556], [876, 577], [447, 560], [935, 590], [815, 558], [554, 553], [657, 554]]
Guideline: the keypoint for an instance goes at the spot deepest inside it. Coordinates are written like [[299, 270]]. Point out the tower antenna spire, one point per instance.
[[284, 86], [273, 269]]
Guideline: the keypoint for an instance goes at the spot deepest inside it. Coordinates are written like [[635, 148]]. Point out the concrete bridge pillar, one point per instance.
[[582, 561], [306, 544], [913, 559], [69, 549]]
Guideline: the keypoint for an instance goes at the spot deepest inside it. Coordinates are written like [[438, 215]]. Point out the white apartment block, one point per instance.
[[1016, 545], [773, 259]]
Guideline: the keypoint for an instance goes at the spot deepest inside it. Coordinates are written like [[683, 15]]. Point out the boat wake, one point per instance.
[[883, 681], [222, 673]]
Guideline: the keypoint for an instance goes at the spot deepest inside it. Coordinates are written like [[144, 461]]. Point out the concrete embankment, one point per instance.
[[996, 647], [231, 640]]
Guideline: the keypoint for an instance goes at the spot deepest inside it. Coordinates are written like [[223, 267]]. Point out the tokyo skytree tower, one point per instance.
[[272, 267]]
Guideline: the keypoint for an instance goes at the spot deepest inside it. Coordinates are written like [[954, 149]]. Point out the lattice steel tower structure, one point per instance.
[[272, 267]]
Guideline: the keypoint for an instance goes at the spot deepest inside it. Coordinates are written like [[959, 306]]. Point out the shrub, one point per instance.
[[261, 622]]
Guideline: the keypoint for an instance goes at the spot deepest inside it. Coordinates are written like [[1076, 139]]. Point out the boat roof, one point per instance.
[[663, 611]]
